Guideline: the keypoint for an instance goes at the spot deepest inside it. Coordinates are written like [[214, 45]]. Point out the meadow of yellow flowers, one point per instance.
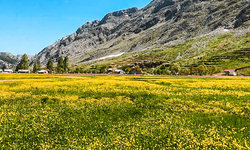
[[123, 112]]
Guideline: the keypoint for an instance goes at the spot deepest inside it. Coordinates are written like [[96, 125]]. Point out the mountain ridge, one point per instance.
[[158, 23], [8, 60]]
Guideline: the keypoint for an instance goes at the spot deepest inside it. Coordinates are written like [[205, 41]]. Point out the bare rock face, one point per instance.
[[242, 17], [158, 23], [4, 64], [7, 60]]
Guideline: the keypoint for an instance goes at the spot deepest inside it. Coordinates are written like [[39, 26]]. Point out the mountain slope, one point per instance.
[[7, 60], [157, 24], [222, 48]]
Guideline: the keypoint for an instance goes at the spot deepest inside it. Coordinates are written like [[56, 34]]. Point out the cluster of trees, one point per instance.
[[96, 68], [126, 68], [191, 70], [204, 70], [24, 63], [62, 65], [244, 72], [174, 69], [37, 66], [100, 69], [50, 65], [162, 70]]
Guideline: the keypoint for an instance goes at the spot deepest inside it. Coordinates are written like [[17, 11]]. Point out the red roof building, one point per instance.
[[230, 72]]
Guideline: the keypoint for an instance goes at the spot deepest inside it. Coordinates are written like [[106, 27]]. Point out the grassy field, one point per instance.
[[116, 112]]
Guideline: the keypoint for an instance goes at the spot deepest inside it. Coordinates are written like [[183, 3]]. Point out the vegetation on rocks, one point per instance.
[[218, 52]]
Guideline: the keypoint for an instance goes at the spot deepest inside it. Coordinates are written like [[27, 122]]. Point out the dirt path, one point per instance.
[[40, 79], [155, 79], [12, 80], [76, 77]]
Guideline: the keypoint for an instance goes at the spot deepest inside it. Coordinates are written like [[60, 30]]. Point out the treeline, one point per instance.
[[172, 69], [37, 66], [176, 69], [62, 65], [94, 68]]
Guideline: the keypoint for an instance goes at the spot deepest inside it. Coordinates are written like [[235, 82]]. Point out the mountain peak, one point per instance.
[[158, 23]]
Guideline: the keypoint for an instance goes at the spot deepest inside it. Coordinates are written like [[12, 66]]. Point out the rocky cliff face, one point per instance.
[[159, 23], [7, 60]]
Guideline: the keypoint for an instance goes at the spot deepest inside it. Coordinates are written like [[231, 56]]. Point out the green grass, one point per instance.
[[112, 112]]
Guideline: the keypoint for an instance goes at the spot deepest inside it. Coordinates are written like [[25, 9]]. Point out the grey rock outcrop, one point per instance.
[[4, 64], [158, 23], [8, 60]]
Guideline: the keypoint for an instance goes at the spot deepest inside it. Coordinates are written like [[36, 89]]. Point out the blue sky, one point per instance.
[[28, 26]]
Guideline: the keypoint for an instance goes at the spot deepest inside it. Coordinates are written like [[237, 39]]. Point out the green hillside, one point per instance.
[[225, 51]]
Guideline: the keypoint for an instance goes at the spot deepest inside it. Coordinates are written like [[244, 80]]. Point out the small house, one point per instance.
[[8, 71], [120, 72], [42, 72], [49, 71], [230, 72], [110, 70], [23, 71]]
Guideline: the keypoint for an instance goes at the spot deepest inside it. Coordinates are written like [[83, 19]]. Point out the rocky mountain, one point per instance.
[[159, 23], [8, 60], [30, 57]]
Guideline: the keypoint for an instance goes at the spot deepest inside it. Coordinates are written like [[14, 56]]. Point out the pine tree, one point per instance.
[[50, 65], [39, 66], [24, 63], [18, 66], [35, 68], [60, 65], [66, 64]]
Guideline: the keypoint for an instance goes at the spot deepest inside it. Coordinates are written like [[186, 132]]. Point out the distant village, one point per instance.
[[164, 69], [47, 71], [227, 72]]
